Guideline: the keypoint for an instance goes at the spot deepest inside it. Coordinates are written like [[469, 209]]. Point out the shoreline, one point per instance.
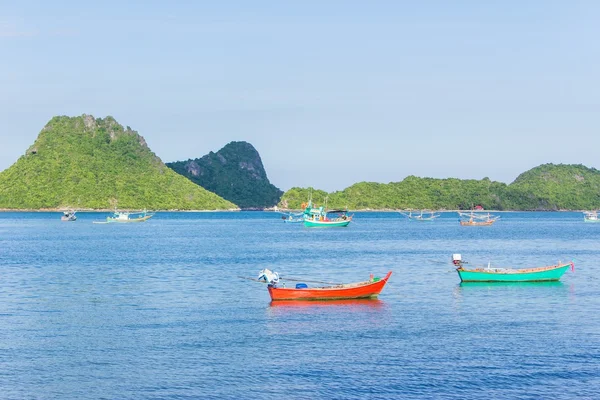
[[102, 210]]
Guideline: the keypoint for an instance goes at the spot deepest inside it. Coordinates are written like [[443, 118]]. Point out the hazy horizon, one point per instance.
[[330, 94]]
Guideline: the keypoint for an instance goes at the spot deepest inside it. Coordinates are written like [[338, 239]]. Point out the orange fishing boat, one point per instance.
[[360, 290], [475, 219]]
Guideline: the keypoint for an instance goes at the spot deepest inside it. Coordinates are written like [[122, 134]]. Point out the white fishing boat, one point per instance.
[[421, 216], [69, 216], [126, 216], [590, 216]]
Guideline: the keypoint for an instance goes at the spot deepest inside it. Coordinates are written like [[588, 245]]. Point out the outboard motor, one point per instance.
[[270, 277], [457, 260]]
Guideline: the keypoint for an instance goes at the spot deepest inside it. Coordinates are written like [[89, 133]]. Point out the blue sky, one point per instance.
[[329, 92]]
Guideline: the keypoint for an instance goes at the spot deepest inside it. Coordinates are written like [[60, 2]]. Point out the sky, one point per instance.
[[330, 93]]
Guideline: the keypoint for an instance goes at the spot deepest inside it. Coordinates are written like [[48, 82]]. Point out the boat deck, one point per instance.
[[500, 270]]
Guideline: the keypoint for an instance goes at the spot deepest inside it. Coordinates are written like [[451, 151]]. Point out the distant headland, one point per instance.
[[97, 164]]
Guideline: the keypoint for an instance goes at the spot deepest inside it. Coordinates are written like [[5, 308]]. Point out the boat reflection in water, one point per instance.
[[505, 285], [306, 318], [357, 304]]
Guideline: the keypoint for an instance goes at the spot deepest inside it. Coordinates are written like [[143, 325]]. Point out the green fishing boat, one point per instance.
[[495, 274], [318, 217]]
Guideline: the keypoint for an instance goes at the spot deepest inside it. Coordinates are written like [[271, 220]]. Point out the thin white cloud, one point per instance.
[[14, 30]]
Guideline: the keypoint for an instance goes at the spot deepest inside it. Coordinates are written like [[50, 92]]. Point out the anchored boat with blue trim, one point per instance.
[[496, 274], [360, 290], [319, 217]]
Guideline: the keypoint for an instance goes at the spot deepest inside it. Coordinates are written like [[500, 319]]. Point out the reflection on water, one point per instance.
[[351, 304], [320, 317], [150, 310], [491, 285]]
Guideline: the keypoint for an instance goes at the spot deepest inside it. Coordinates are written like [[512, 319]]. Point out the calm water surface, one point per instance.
[[158, 311]]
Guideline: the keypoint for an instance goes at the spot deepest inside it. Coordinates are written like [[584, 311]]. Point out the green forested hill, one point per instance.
[[412, 192], [235, 173], [556, 187], [547, 187], [84, 162]]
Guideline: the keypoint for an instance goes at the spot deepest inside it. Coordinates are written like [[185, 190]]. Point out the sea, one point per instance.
[[166, 309]]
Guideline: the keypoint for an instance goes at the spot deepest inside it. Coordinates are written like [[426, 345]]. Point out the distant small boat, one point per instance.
[[422, 216], [69, 216], [319, 217], [361, 290], [495, 274], [590, 216], [476, 219], [125, 217], [292, 218]]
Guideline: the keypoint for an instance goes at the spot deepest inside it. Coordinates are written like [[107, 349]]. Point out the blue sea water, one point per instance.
[[157, 310]]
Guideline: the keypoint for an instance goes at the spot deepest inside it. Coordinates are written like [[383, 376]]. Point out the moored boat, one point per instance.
[[69, 216], [423, 216], [360, 290], [319, 217], [125, 217], [292, 218], [476, 219], [496, 274], [590, 216]]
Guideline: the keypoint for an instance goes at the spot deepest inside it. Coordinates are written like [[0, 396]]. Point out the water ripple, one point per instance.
[[156, 311]]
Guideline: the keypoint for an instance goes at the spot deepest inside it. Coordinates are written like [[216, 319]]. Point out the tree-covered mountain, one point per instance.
[[87, 162], [556, 187], [546, 187], [235, 173]]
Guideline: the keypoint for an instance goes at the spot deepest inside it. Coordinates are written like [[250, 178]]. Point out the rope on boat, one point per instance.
[[289, 279], [251, 279]]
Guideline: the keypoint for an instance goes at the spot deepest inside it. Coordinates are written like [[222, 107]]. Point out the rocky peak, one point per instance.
[[235, 172], [193, 168]]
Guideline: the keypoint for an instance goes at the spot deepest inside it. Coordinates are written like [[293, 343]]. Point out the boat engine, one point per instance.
[[270, 277], [457, 260]]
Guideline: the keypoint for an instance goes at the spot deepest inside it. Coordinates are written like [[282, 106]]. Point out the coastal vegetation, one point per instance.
[[235, 172], [93, 163], [546, 187]]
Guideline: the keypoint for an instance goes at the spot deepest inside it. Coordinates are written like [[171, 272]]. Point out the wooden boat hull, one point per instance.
[[322, 224], [349, 304], [552, 273], [361, 290], [475, 223]]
